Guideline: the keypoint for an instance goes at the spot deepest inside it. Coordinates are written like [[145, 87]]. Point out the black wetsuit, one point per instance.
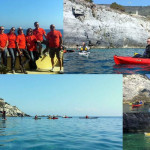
[[147, 52], [4, 115]]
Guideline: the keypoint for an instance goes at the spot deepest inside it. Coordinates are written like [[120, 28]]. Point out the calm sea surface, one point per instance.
[[136, 141], [104, 133], [101, 61]]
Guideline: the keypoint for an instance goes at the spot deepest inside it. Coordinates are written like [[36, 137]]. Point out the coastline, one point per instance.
[[101, 47]]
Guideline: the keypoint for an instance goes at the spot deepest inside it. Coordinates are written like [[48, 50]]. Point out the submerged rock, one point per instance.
[[11, 111], [102, 26], [136, 122]]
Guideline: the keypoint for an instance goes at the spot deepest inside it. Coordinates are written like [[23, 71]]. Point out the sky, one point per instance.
[[72, 95], [25, 12], [125, 2]]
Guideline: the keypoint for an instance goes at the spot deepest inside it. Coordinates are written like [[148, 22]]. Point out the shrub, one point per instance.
[[117, 7], [91, 1]]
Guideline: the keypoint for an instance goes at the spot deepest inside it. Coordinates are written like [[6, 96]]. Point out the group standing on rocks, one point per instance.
[[30, 46]]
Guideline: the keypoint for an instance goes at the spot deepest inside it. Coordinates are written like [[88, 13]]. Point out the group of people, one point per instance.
[[30, 46]]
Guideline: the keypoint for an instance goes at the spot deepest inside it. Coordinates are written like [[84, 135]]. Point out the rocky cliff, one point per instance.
[[136, 122], [12, 111], [136, 87], [102, 26]]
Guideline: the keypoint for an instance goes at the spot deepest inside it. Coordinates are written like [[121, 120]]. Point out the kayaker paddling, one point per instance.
[[36, 117], [83, 47], [86, 117], [137, 58]]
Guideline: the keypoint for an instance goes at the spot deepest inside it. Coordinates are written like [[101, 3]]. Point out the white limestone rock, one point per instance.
[[104, 27], [136, 86], [11, 110]]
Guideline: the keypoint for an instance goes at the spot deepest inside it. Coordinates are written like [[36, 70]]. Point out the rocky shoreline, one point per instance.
[[136, 87], [136, 122], [102, 26], [11, 111]]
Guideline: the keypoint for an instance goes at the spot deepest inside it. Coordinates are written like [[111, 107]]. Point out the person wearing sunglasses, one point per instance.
[[54, 38], [39, 33], [21, 47], [12, 48], [3, 46], [32, 48]]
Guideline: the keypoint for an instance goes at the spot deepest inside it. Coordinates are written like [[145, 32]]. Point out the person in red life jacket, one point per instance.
[[39, 33], [86, 117], [36, 117], [21, 47], [3, 46], [12, 47], [54, 39], [32, 48]]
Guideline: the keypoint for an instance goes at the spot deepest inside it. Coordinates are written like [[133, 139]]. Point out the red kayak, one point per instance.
[[130, 60], [135, 106], [68, 51], [54, 118]]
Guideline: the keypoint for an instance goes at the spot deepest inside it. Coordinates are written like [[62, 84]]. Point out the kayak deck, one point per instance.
[[84, 53], [130, 60]]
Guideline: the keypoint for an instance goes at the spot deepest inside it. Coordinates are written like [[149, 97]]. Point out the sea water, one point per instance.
[[101, 61], [104, 133], [136, 141]]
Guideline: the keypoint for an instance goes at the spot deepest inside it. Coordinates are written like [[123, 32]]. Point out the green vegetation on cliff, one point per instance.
[[117, 6], [91, 1]]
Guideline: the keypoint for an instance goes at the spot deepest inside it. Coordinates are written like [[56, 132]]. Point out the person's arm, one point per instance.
[[6, 44], [2, 49], [87, 47], [18, 49], [61, 41], [147, 51], [44, 33]]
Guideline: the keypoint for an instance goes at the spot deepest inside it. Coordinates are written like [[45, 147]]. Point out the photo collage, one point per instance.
[[75, 75]]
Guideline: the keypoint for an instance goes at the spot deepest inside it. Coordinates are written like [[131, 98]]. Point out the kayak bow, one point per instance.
[[130, 60], [136, 106]]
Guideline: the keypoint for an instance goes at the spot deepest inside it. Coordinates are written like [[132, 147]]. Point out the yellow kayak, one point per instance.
[[147, 134]]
